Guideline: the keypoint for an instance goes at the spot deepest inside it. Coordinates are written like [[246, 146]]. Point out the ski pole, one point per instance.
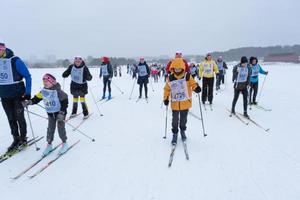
[[132, 89], [95, 102], [36, 147], [37, 115], [151, 85], [262, 88], [117, 87], [79, 131], [166, 123], [201, 116]]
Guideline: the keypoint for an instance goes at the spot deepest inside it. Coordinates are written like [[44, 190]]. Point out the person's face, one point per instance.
[[142, 60], [2, 51], [254, 62], [78, 61], [46, 83], [244, 64], [209, 57]]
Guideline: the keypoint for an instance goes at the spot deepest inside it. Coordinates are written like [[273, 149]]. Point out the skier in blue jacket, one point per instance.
[[12, 92], [256, 69]]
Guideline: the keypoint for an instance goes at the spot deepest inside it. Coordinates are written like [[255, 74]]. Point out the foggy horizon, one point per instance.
[[146, 28]]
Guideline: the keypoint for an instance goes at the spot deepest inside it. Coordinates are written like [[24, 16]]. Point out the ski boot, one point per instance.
[[85, 110], [103, 96], [109, 96], [183, 136], [14, 145], [246, 115], [23, 141], [174, 139], [48, 149], [63, 149], [233, 112]]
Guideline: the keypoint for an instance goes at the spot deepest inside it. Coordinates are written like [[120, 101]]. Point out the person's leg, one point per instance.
[[235, 98], [84, 106], [140, 89], [175, 121], [51, 128], [19, 113], [251, 93], [255, 88], [62, 131], [75, 105], [204, 89], [183, 121], [146, 89], [104, 86], [245, 103], [210, 89]]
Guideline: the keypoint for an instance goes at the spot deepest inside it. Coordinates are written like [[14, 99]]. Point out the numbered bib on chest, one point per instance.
[[142, 70], [255, 70], [242, 74], [6, 75], [51, 100], [194, 70], [104, 70], [77, 75], [220, 65], [208, 69], [179, 90]]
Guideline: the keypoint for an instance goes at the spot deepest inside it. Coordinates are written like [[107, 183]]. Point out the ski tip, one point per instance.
[[267, 130], [93, 140]]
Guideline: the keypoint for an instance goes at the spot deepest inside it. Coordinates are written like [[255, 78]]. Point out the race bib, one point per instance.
[[6, 75], [242, 74], [208, 69], [51, 100], [104, 70], [142, 70], [77, 75], [179, 90], [255, 70]]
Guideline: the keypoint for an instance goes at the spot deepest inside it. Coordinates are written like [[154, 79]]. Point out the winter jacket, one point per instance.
[[236, 74], [79, 89], [61, 95], [19, 71], [208, 68], [143, 78], [255, 70]]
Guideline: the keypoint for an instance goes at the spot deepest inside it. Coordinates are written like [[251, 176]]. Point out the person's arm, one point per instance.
[[148, 70], [225, 65], [67, 72], [261, 71], [88, 75], [37, 98], [23, 71], [234, 73], [215, 67], [110, 70], [201, 70]]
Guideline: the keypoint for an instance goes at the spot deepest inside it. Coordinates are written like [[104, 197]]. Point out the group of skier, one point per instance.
[[180, 82]]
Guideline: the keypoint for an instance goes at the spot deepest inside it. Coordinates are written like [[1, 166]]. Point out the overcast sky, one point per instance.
[[145, 27]]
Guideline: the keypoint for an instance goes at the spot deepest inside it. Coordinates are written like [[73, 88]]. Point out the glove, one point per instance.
[[26, 103], [26, 97], [197, 89], [267, 72], [61, 116], [110, 79], [166, 102]]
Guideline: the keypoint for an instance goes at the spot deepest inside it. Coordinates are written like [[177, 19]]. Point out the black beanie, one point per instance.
[[244, 59]]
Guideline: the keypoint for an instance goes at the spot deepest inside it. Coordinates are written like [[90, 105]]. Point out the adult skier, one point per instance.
[[143, 71], [241, 79], [12, 92], [106, 71], [256, 69], [207, 70]]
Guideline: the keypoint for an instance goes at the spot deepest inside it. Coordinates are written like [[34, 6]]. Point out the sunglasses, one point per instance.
[[78, 58]]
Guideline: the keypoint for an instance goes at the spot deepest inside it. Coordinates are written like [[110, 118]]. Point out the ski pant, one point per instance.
[[106, 82], [179, 117], [220, 78], [253, 92], [236, 96], [15, 114], [207, 89], [52, 121], [83, 105]]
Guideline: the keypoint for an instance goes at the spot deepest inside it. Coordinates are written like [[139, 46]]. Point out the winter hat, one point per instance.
[[49, 78], [105, 59], [177, 63], [142, 58], [2, 44], [78, 58], [244, 59]]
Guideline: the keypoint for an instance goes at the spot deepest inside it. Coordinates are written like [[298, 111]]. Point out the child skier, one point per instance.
[[179, 87], [222, 66], [241, 77], [106, 71], [80, 74], [56, 104], [256, 69]]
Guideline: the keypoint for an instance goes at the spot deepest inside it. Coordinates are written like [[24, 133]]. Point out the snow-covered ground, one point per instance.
[[129, 159]]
